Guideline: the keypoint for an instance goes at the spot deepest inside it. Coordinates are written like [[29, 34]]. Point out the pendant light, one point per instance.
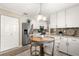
[[40, 16]]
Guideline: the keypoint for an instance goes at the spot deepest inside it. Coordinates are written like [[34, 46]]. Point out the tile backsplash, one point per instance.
[[65, 31]]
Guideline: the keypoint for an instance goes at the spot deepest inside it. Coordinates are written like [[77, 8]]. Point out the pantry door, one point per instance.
[[9, 32]]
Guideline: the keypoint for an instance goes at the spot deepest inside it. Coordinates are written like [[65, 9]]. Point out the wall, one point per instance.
[[37, 24]]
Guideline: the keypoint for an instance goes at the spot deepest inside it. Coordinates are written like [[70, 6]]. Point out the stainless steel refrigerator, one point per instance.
[[25, 34]]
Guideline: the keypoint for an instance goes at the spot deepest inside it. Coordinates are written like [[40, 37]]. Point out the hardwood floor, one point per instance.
[[14, 52], [25, 51]]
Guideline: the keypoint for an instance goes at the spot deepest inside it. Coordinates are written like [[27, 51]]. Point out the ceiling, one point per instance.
[[33, 9]]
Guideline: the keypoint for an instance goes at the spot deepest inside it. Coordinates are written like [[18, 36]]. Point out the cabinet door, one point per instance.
[[72, 17], [9, 32], [63, 45], [53, 21], [61, 19], [73, 46]]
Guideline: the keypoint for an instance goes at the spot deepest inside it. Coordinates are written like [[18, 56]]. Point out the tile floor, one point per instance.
[[47, 49]]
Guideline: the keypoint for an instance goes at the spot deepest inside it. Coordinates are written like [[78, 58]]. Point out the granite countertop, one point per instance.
[[77, 37]]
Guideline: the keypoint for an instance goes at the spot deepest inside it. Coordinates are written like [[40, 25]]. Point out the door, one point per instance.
[[9, 32]]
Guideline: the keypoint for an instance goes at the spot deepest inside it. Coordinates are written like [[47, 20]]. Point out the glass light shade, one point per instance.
[[44, 18], [39, 17]]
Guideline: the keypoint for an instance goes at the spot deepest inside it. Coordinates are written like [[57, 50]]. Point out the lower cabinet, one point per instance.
[[62, 46], [73, 47], [70, 45]]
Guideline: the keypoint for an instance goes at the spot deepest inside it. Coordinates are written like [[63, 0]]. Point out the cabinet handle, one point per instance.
[[73, 39]]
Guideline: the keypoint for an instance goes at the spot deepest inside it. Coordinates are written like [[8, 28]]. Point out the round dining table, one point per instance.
[[43, 40]]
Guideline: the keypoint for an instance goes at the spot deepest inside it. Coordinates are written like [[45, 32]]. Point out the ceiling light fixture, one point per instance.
[[40, 16], [44, 18]]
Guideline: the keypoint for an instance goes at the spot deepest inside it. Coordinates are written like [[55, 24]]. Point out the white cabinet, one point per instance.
[[9, 33], [73, 48], [70, 45], [61, 19], [68, 18], [72, 17], [63, 45], [53, 21], [58, 19]]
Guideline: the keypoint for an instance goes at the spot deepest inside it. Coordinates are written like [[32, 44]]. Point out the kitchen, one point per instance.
[[57, 22]]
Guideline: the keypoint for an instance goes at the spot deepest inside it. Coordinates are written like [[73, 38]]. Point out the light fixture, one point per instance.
[[44, 18], [40, 16]]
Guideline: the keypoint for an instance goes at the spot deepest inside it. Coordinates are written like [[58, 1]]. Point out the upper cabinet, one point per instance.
[[72, 17], [61, 19], [57, 20], [53, 21], [64, 19]]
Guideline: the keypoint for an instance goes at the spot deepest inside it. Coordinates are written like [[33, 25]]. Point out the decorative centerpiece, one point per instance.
[[42, 31]]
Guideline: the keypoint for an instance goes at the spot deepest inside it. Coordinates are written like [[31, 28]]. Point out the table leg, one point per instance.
[[53, 48], [41, 50]]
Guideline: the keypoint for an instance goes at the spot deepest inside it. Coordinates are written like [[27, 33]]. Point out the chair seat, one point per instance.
[[35, 44]]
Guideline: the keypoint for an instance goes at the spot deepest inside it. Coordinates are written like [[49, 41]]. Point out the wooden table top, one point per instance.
[[39, 39]]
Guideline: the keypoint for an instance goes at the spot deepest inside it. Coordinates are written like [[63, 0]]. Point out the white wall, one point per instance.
[[37, 24]]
